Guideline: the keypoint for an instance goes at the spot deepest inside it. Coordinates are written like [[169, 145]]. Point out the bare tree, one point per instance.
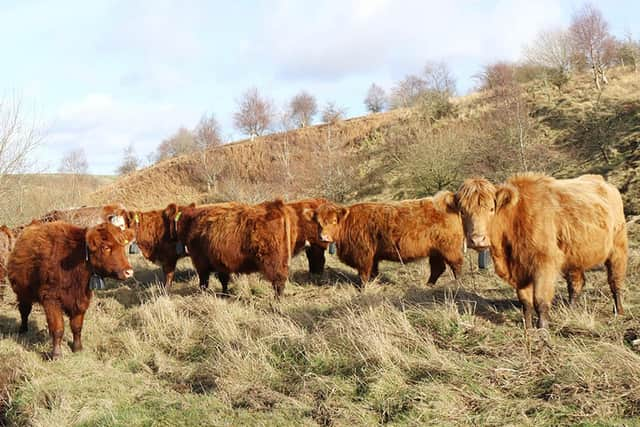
[[303, 107], [182, 142], [551, 49], [629, 51], [207, 133], [207, 138], [74, 162], [408, 91], [438, 78], [376, 99], [255, 113], [130, 161], [331, 113], [591, 38], [19, 137]]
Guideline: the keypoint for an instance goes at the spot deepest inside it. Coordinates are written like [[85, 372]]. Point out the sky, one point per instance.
[[105, 74]]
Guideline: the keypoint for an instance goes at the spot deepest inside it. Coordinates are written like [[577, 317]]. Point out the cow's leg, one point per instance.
[[616, 271], [375, 268], [575, 283], [224, 281], [315, 257], [525, 295], [169, 270], [203, 276], [76, 327], [437, 266], [543, 290], [25, 310], [55, 322]]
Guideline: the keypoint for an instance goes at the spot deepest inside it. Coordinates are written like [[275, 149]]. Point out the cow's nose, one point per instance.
[[128, 273], [479, 241], [325, 238]]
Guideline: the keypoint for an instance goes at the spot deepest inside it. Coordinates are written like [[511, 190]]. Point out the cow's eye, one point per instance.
[[492, 209], [106, 249]]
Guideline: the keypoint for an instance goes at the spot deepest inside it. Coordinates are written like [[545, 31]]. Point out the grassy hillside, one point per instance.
[[400, 353]]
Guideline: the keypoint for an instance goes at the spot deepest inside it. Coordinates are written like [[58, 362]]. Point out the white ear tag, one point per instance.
[[118, 221]]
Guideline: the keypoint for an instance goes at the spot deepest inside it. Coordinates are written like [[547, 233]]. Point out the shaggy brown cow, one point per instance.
[[367, 233], [88, 216], [538, 226], [307, 234], [53, 263], [238, 239]]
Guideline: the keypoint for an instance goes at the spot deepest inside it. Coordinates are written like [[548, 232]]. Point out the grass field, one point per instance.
[[401, 353]]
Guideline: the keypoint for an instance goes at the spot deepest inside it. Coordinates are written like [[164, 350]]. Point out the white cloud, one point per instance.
[[104, 126], [335, 38]]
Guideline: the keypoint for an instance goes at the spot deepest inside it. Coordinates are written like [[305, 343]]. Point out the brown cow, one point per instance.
[[154, 239], [88, 216], [52, 264], [538, 226], [238, 239], [367, 233]]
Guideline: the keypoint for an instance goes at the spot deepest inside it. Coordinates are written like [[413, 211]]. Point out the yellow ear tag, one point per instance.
[[126, 242], [136, 218], [178, 216]]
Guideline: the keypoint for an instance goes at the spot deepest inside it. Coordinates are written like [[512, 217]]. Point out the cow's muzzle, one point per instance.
[[125, 274]]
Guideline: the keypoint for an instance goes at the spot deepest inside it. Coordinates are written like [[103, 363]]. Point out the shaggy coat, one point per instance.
[[237, 239], [88, 216], [52, 263], [307, 234], [538, 226], [367, 233]]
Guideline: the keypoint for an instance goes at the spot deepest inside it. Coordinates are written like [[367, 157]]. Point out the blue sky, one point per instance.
[[103, 74]]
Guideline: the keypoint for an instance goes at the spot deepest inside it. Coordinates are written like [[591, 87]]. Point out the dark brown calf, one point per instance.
[[52, 264]]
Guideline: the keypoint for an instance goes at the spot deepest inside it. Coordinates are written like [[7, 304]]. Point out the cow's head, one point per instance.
[[478, 201], [173, 215], [105, 245], [329, 218]]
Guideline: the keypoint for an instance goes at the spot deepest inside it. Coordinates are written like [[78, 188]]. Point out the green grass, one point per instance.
[[401, 353]]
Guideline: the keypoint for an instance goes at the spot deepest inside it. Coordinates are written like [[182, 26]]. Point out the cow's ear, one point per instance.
[[192, 205], [308, 214], [445, 201], [506, 195], [93, 239], [170, 211], [129, 235], [342, 213]]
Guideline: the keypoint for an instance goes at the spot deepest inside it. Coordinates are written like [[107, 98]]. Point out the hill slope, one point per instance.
[[408, 153]]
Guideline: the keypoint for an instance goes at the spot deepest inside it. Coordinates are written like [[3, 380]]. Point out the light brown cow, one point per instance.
[[367, 233], [538, 227]]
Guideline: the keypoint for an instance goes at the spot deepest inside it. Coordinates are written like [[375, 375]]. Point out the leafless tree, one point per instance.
[[182, 142], [629, 51], [376, 99], [20, 136], [130, 161], [496, 76], [408, 91], [255, 113], [438, 78], [207, 133], [331, 113], [74, 162], [551, 49], [208, 162], [591, 38], [302, 108]]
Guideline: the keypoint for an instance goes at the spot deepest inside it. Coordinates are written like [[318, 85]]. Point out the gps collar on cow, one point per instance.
[[96, 282]]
